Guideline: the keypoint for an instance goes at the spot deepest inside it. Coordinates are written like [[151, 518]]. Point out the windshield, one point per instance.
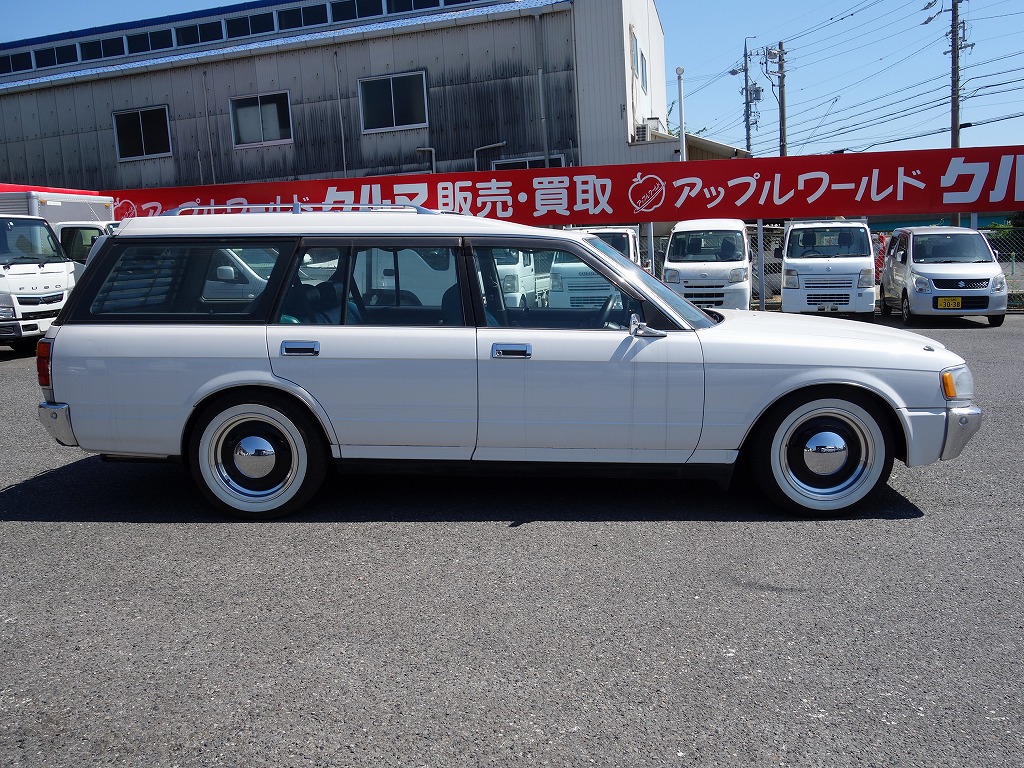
[[958, 248], [695, 317], [828, 243], [616, 240], [27, 241], [706, 245]]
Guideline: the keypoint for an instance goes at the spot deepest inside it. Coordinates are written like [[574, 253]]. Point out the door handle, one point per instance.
[[300, 348], [518, 351]]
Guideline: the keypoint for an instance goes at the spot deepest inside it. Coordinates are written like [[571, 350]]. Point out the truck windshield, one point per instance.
[[829, 243], [27, 241], [706, 245], [960, 248], [617, 240]]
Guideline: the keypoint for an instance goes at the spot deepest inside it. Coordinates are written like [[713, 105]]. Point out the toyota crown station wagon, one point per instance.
[[384, 337]]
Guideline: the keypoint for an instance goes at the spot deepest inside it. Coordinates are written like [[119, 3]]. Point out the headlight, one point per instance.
[[556, 282], [6, 307], [867, 278], [738, 275], [510, 284], [958, 383], [999, 284], [671, 275], [791, 279], [922, 284]]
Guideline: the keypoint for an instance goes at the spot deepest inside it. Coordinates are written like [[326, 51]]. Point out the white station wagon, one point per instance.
[[260, 348]]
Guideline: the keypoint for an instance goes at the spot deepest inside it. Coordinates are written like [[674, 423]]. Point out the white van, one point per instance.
[[35, 279], [828, 267], [707, 262], [942, 271]]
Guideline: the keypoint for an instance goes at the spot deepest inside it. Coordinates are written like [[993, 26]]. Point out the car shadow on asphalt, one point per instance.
[[91, 490]]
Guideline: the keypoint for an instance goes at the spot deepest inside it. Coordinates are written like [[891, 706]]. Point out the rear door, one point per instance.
[[375, 330]]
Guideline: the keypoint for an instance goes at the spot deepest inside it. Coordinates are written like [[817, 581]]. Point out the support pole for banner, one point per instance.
[[760, 264], [650, 244], [974, 221]]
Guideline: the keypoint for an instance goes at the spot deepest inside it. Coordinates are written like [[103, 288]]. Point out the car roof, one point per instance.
[[694, 225], [944, 230], [314, 223]]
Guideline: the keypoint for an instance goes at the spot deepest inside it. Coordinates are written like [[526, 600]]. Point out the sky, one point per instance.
[[860, 75]]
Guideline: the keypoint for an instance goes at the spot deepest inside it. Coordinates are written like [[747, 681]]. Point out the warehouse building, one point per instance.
[[264, 91]]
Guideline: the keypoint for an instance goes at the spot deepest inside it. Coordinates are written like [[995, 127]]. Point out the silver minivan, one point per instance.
[[940, 271]]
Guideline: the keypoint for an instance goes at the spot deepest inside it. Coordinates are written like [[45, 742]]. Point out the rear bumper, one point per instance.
[[56, 418]]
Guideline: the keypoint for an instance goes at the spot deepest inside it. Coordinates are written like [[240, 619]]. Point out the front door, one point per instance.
[[569, 382]]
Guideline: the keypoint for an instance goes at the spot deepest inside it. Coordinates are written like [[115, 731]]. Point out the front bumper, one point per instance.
[[56, 418], [971, 303], [961, 425]]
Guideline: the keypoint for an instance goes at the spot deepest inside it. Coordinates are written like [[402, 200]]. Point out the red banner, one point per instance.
[[974, 180]]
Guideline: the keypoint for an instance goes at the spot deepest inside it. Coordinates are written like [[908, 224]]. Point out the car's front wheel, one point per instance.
[[908, 315], [819, 454], [996, 320], [257, 456]]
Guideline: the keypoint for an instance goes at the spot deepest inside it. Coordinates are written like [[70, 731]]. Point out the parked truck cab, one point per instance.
[[35, 279], [707, 262], [828, 267]]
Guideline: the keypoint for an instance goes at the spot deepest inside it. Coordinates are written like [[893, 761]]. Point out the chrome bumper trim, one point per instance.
[[961, 426], [56, 417]]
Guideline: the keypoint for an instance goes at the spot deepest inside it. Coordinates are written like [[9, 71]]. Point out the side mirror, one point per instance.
[[778, 253], [642, 330], [226, 274]]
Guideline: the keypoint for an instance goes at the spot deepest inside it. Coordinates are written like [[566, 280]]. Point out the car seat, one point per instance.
[[845, 238], [727, 250], [808, 239]]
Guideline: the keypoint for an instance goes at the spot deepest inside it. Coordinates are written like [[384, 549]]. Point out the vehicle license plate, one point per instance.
[[949, 302]]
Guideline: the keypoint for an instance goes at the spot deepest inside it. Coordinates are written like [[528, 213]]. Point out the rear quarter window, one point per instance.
[[195, 280]]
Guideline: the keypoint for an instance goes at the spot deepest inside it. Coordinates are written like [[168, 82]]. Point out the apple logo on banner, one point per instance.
[[647, 193]]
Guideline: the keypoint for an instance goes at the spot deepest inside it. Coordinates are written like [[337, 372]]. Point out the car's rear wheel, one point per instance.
[[257, 456], [884, 307], [817, 453]]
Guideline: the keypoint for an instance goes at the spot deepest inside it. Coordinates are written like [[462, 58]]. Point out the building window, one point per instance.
[[52, 57], [142, 133], [16, 62], [306, 16], [404, 6], [187, 35], [261, 23], [643, 72], [350, 10], [399, 101], [262, 119], [523, 163], [634, 51]]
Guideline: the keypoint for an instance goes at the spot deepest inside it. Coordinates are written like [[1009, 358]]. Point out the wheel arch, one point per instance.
[[251, 390], [880, 404]]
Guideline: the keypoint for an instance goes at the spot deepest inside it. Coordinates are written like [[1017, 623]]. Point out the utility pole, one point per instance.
[[782, 100], [746, 91], [954, 127]]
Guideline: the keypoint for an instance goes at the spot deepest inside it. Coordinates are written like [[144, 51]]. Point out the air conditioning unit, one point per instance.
[[642, 133]]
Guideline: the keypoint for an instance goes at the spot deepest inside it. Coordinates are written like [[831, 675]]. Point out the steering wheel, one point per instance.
[[812, 252], [605, 312]]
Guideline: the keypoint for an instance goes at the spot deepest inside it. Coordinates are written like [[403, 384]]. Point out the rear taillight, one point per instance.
[[43, 350]]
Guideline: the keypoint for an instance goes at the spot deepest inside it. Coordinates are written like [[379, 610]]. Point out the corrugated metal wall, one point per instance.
[[482, 85]]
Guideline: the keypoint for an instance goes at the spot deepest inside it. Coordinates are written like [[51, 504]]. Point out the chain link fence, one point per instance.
[[1008, 243]]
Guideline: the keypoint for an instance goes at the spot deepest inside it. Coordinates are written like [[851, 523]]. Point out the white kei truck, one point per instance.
[[36, 271], [828, 267]]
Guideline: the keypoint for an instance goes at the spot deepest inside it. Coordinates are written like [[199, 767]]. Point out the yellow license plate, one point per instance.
[[949, 302]]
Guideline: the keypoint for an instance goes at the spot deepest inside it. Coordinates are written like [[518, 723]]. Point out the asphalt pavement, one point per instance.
[[429, 621]]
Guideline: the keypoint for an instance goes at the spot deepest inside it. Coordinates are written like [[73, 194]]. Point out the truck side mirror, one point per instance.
[[778, 252]]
